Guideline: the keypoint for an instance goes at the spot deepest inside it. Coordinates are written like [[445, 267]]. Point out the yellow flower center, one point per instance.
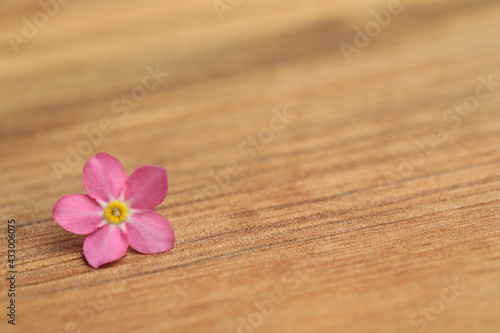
[[116, 212]]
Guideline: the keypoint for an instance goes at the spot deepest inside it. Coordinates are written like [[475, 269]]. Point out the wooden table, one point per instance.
[[372, 206]]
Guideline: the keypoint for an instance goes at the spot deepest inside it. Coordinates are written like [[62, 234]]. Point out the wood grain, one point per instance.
[[317, 231]]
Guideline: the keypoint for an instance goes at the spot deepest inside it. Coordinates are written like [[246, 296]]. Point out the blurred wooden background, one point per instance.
[[317, 231]]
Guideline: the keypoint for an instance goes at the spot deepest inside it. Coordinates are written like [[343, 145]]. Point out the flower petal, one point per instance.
[[78, 213], [103, 177], [149, 232], [146, 187], [107, 244]]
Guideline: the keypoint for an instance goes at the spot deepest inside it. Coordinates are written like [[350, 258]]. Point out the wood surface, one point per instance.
[[317, 230]]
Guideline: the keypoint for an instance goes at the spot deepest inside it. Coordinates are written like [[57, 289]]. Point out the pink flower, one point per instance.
[[118, 211]]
